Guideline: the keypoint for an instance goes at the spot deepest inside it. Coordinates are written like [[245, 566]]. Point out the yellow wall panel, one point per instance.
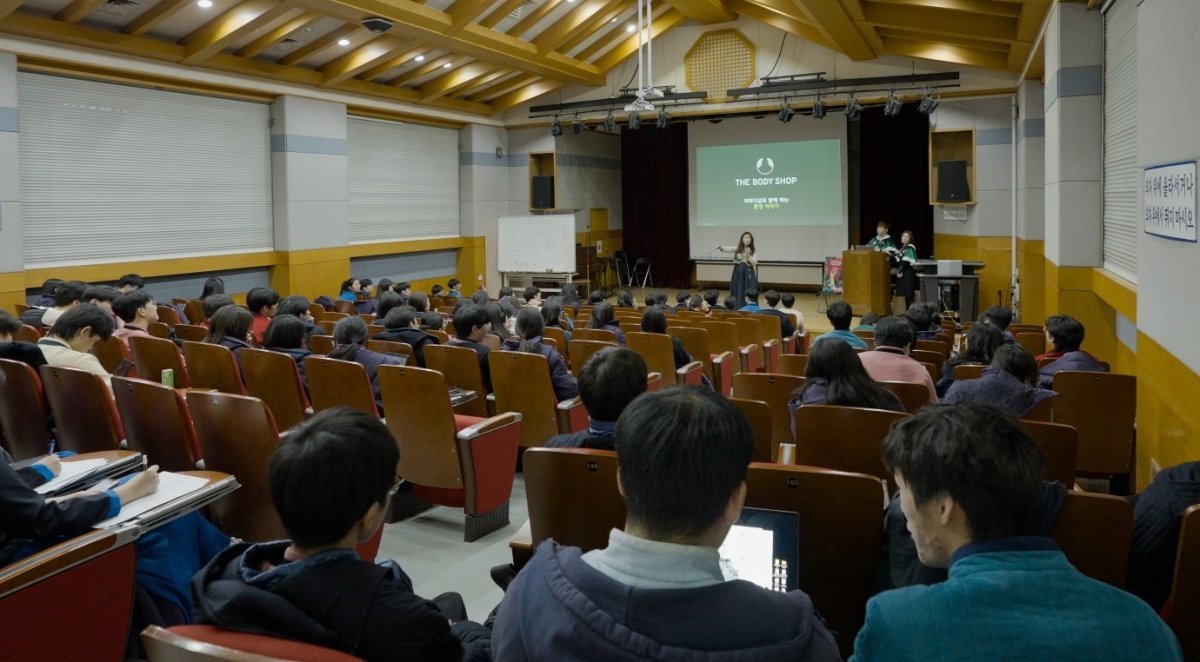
[[994, 252], [1031, 263], [1167, 417]]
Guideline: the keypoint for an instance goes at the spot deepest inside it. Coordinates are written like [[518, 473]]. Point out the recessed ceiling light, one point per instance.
[[629, 28], [204, 4], [343, 42], [446, 66], [612, 20], [420, 58]]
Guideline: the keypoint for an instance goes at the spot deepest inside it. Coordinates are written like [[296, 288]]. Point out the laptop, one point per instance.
[[763, 548]]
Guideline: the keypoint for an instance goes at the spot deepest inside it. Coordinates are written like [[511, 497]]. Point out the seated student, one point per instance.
[[138, 311], [918, 315], [785, 320], [103, 297], [349, 337], [66, 296], [969, 483], [625, 299], [979, 345], [403, 325], [454, 288], [25, 352], [867, 321], [501, 316], [610, 380], [350, 289], [835, 376], [332, 481], [436, 291], [471, 324], [69, 342], [418, 301], [386, 302], [731, 304], [384, 285], [213, 285], [604, 317], [788, 301], [505, 291], [712, 298], [597, 296], [529, 339], [1065, 335], [653, 321], [263, 303], [651, 299], [999, 317], [298, 307], [480, 297], [130, 282], [657, 590], [889, 361], [46, 298], [697, 303], [1008, 383], [751, 303], [212, 303], [681, 299], [840, 315], [570, 297], [286, 334], [404, 289], [230, 327], [1157, 517], [532, 296], [432, 321], [554, 314]]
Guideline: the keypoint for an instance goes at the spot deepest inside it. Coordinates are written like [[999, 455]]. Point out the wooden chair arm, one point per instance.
[[521, 545], [61, 557], [491, 404], [488, 456], [653, 381], [690, 374], [571, 415], [751, 357], [723, 369]]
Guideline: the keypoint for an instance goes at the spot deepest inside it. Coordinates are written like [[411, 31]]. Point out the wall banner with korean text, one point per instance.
[[1169, 201]]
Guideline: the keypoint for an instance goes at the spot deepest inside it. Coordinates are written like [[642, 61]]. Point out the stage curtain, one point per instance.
[[654, 201], [894, 184]]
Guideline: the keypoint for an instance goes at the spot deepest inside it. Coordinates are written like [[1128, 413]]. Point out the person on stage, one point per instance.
[[906, 275], [882, 241], [745, 268]]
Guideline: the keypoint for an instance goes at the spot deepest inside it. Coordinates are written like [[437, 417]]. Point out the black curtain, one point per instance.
[[894, 175], [654, 201]]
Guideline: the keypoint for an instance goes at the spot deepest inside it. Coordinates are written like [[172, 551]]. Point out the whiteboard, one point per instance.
[[537, 244]]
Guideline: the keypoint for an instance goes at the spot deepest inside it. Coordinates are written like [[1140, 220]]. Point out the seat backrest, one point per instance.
[[793, 364], [274, 378], [417, 402], [582, 350], [1184, 614], [237, 436], [1101, 407], [375, 329], [776, 390], [110, 352], [85, 419], [748, 329], [159, 330], [326, 326], [521, 383], [844, 438], [442, 336], [938, 347], [934, 370], [192, 332], [657, 351], [912, 396], [695, 340], [840, 536], [393, 347], [157, 423], [320, 344], [346, 307], [335, 383], [213, 366], [572, 495], [194, 309], [1094, 531], [722, 336], [560, 338], [205, 643], [1059, 444], [27, 334], [759, 415], [168, 315], [330, 316], [460, 366], [770, 327], [153, 355], [926, 356], [968, 371], [24, 413], [603, 335], [1034, 343]]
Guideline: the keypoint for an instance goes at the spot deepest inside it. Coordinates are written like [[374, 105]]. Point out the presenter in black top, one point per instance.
[[745, 268], [905, 259]]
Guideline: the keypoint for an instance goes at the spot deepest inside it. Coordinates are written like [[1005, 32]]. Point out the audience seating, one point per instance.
[[335, 383], [460, 366], [724, 337], [443, 337], [330, 316], [1059, 445], [157, 423], [1034, 343], [153, 355], [326, 325], [24, 414], [465, 463], [274, 378], [720, 367], [198, 643], [691, 374], [560, 338], [1101, 407], [749, 331], [935, 346], [27, 334], [213, 366], [671, 321], [775, 390], [602, 335], [770, 328], [759, 415], [192, 332], [934, 370], [912, 396], [572, 495], [320, 344], [168, 315], [159, 330], [844, 438], [865, 334], [237, 435], [1183, 610], [393, 347], [657, 351], [968, 371], [582, 350], [110, 352], [194, 309], [572, 416], [521, 383], [316, 310], [1094, 531], [345, 307], [793, 364], [85, 419], [375, 329], [1042, 411], [927, 356]]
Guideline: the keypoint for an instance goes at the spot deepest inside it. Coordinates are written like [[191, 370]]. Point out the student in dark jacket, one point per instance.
[[230, 327], [529, 339], [1157, 517], [980, 344], [349, 337], [471, 324], [1007, 384], [604, 316], [403, 325], [1065, 335], [657, 590], [332, 481], [785, 320], [835, 376], [286, 335], [298, 306], [25, 352], [610, 380]]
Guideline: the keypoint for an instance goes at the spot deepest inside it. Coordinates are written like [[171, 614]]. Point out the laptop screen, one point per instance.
[[763, 548]]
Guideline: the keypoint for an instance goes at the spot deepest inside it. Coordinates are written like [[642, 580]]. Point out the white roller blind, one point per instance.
[[111, 173], [403, 181], [1122, 176]]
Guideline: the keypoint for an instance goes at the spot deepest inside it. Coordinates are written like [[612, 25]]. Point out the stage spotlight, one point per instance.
[[635, 121], [928, 103], [610, 122], [576, 125], [664, 118], [818, 109], [555, 127], [893, 106], [785, 111], [853, 109]]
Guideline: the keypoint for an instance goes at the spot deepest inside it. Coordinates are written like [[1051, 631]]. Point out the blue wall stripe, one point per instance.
[[516, 160], [584, 161], [993, 136], [10, 120], [309, 145], [1074, 82], [1034, 127], [406, 266]]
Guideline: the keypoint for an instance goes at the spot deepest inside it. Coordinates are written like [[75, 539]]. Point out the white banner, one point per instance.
[[1169, 201]]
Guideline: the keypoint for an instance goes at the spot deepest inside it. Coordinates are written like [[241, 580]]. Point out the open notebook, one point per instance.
[[176, 494], [763, 548], [80, 474]]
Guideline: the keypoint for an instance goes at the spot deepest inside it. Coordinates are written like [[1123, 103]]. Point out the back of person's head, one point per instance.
[[348, 284], [918, 315], [602, 314], [459, 303], [480, 297], [69, 292], [530, 293], [1017, 362], [752, 296], [398, 288], [839, 314], [50, 285], [83, 316], [682, 296], [469, 317], [214, 302], [974, 455], [285, 332], [730, 303], [497, 315], [529, 328], [127, 305], [998, 315], [261, 297], [982, 342], [131, 280], [712, 298], [694, 302], [293, 305], [610, 380], [365, 283], [848, 383], [505, 291], [436, 290], [552, 310], [597, 296], [350, 331], [935, 314], [431, 319], [9, 325], [650, 298], [894, 332], [100, 294], [386, 302], [625, 299], [569, 293], [328, 472], [213, 285], [453, 283], [419, 301], [400, 317], [1066, 333], [660, 298], [653, 321], [870, 318], [771, 297], [682, 453], [384, 285], [229, 321], [788, 299]]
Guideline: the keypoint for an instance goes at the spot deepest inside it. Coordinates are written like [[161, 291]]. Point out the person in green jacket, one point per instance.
[[882, 241]]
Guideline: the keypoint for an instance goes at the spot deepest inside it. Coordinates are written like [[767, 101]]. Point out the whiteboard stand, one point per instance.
[[536, 248]]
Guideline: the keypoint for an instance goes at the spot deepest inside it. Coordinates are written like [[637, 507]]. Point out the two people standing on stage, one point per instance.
[[745, 268], [904, 257]]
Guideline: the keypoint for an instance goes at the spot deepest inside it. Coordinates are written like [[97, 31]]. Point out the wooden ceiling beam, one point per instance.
[[978, 44], [946, 53], [629, 46], [598, 23], [269, 39], [485, 81], [77, 10], [465, 11], [392, 62], [498, 14], [940, 21], [836, 23], [705, 11], [533, 18], [974, 7], [147, 20], [454, 80], [499, 90], [231, 26], [790, 24], [302, 53], [367, 56], [428, 68], [1029, 26], [9, 6], [578, 20], [523, 94]]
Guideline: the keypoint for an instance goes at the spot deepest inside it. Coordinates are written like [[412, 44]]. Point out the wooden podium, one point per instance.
[[866, 281]]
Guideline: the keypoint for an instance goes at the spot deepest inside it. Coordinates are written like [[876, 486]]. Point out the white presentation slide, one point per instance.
[[747, 554], [783, 183]]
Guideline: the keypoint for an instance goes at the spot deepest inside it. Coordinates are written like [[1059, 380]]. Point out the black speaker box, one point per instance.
[[952, 182], [542, 193]]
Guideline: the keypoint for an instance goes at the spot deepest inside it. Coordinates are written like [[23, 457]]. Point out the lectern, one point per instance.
[[866, 281]]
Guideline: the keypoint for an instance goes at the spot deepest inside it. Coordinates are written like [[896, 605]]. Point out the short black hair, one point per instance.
[[69, 293], [131, 279], [384, 285], [84, 315], [261, 297], [101, 293], [329, 471], [788, 299], [870, 317], [127, 305], [918, 315], [431, 319], [1016, 361], [529, 293], [453, 282], [50, 286], [602, 313], [479, 297], [610, 380], [214, 302], [894, 332], [467, 318], [999, 316], [752, 295], [653, 321], [400, 317], [436, 290], [229, 321], [401, 286], [682, 296], [839, 314], [1065, 332], [212, 285], [386, 302], [771, 297], [419, 301], [597, 296], [977, 456], [505, 291], [730, 303], [9, 325], [884, 224], [681, 452], [293, 305], [712, 297], [285, 332], [660, 297]]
